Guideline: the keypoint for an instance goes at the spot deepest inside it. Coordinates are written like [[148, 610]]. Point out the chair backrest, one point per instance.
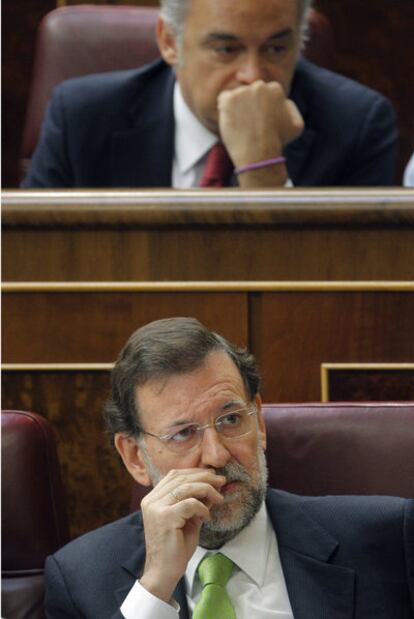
[[34, 521], [337, 448], [82, 39], [341, 448]]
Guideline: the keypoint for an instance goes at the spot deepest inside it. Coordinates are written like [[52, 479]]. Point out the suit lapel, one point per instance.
[[316, 587], [142, 154], [298, 152]]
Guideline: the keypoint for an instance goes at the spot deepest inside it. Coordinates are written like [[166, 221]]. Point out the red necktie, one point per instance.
[[218, 167]]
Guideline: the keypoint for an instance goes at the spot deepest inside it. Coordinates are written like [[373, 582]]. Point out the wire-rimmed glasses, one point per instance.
[[231, 425]]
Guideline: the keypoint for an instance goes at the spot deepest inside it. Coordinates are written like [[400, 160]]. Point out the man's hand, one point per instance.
[[255, 123], [173, 513]]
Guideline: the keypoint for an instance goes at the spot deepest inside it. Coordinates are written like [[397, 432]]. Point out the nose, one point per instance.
[[250, 70], [213, 452]]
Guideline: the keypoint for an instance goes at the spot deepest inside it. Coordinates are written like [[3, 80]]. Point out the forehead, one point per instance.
[[193, 396], [240, 17]]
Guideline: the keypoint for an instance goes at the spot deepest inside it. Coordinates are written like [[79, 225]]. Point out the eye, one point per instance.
[[185, 434], [231, 419], [275, 50], [225, 51]]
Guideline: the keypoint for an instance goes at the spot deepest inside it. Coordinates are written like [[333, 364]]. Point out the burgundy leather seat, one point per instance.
[[337, 448], [81, 39], [34, 520]]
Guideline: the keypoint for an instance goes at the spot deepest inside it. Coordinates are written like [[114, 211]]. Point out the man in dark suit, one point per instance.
[[185, 416], [231, 72]]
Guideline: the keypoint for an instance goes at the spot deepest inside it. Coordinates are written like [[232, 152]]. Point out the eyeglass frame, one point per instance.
[[165, 438]]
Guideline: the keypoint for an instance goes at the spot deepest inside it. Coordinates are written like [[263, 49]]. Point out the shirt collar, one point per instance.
[[192, 139], [252, 542]]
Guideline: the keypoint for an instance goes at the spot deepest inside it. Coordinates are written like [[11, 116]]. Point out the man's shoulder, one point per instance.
[[341, 500], [315, 81], [340, 513], [98, 86], [116, 537]]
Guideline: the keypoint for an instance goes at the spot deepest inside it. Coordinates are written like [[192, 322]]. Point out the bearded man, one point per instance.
[[211, 539]]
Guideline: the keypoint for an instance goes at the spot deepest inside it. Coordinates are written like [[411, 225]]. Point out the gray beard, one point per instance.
[[217, 531]]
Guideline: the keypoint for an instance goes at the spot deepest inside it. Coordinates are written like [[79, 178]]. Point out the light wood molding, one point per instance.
[[240, 286], [326, 368]]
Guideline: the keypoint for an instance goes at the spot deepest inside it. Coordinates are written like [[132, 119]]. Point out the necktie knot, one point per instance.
[[218, 167], [215, 570]]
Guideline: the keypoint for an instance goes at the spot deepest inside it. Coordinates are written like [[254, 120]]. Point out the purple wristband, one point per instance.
[[259, 164]]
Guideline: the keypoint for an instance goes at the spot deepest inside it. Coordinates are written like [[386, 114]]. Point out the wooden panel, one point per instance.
[[292, 328], [208, 236], [88, 326], [368, 382], [97, 487], [292, 334]]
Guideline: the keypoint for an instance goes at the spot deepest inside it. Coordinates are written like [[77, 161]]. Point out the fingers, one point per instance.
[[256, 121], [179, 485]]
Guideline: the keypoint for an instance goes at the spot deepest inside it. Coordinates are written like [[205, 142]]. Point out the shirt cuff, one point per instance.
[[141, 603]]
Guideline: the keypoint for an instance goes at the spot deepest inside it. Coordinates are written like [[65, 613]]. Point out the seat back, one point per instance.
[[337, 448], [82, 39], [341, 448], [34, 520]]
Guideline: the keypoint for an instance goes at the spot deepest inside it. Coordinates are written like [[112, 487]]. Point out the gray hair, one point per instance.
[[161, 349], [174, 13]]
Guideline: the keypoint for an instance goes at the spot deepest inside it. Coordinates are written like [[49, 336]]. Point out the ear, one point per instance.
[[167, 42], [260, 420], [131, 455]]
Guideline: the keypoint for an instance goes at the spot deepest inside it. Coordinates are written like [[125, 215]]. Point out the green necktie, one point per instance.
[[214, 572]]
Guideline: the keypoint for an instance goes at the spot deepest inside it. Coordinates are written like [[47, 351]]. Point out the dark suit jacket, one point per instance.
[[117, 130], [342, 557]]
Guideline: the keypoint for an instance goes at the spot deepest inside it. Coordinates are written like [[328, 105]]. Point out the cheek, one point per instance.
[[246, 454]]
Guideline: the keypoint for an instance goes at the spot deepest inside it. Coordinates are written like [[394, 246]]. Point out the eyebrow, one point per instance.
[[227, 406], [212, 37]]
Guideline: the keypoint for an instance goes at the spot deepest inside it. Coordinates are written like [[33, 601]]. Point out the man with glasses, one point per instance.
[[212, 540]]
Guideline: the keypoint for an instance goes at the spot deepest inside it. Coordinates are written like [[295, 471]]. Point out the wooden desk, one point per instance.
[[294, 235]]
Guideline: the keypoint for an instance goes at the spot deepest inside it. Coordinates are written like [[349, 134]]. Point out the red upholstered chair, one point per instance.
[[81, 39], [337, 448], [34, 521]]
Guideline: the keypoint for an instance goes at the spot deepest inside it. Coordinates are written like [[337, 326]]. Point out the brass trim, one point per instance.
[[232, 195], [204, 286], [56, 367]]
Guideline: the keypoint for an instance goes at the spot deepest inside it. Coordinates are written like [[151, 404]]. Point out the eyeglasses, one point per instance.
[[231, 425]]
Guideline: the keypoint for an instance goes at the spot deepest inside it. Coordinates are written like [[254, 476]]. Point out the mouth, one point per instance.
[[231, 486]]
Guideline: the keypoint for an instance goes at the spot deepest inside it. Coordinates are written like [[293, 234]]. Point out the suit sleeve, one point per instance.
[[59, 603], [409, 547], [50, 166], [373, 161]]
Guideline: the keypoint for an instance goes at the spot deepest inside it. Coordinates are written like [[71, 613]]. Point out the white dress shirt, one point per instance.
[[256, 588], [409, 173], [192, 143]]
